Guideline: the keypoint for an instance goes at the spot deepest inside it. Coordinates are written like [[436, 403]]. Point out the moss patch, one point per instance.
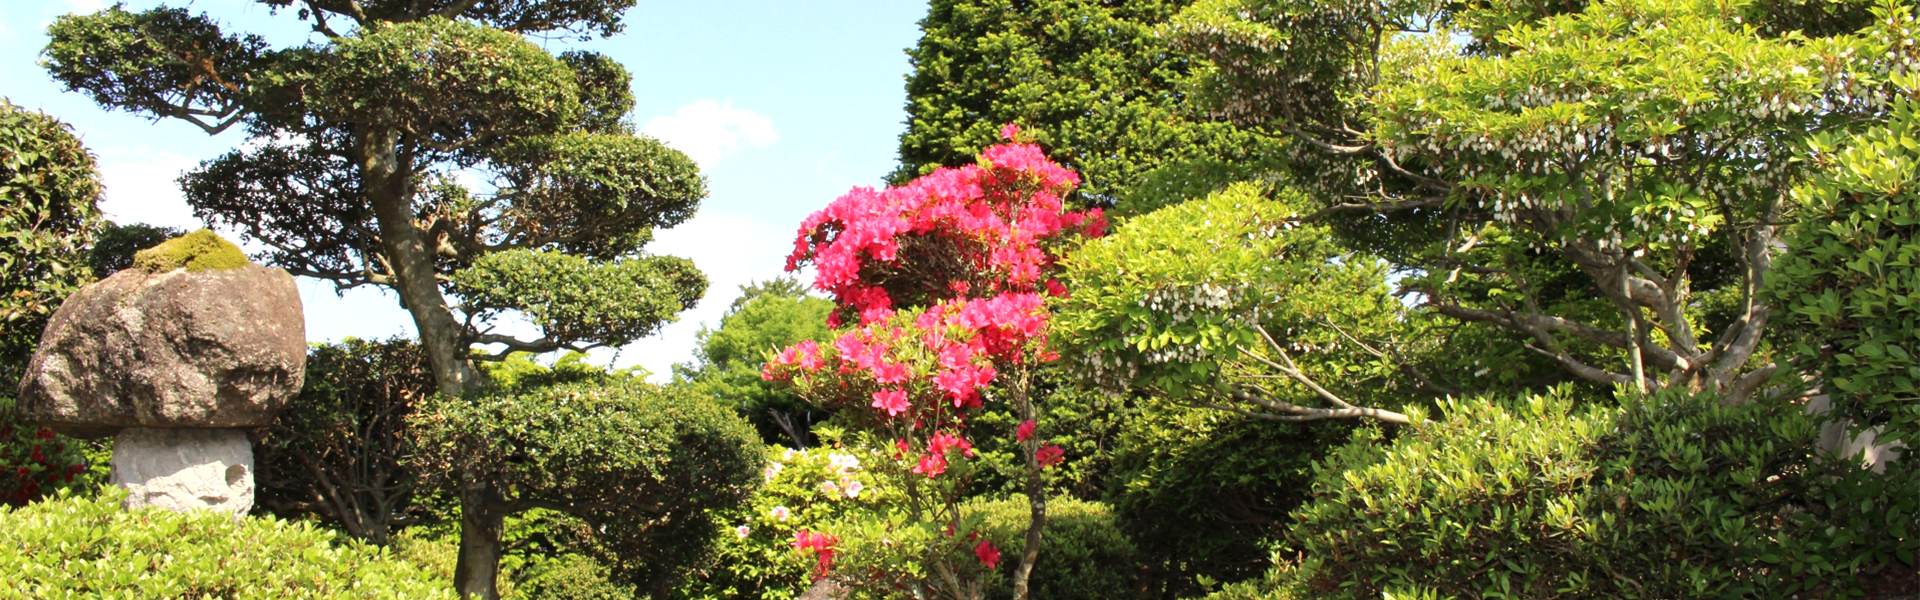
[[197, 251]]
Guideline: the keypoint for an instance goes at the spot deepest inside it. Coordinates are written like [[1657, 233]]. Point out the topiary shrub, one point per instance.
[[1669, 497], [642, 466], [71, 546], [1084, 555]]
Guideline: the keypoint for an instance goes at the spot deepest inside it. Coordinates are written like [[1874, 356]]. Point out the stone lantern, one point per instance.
[[175, 358]]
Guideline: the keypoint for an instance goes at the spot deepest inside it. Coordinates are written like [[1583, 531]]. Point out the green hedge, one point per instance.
[[1671, 497], [1083, 553], [89, 547]]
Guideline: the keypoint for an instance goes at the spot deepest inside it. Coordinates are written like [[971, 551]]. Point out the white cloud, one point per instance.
[[708, 131], [141, 189]]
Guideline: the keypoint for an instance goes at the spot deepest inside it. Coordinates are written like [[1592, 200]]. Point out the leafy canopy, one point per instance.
[[1091, 81]]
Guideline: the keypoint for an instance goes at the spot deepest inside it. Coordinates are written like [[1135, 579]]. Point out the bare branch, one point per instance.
[[1585, 371]]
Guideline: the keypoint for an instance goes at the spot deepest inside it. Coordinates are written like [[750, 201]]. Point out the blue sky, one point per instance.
[[785, 104]]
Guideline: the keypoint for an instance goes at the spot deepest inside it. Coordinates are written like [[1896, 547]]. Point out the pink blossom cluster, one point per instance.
[[996, 218], [948, 352], [934, 462]]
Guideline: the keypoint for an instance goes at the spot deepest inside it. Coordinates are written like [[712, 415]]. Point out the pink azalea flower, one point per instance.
[[886, 372], [943, 441], [892, 401], [989, 555], [809, 355], [1025, 431], [1050, 455], [780, 513], [1007, 132], [742, 531], [931, 465]]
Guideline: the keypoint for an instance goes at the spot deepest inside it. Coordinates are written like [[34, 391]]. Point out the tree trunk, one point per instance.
[[389, 185], [1036, 492], [478, 569], [388, 177]]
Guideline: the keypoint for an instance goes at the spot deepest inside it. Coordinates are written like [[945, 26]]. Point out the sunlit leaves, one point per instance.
[[581, 301]]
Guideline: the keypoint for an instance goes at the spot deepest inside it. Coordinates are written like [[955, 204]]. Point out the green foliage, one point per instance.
[[1848, 287], [571, 577], [449, 81], [607, 191], [48, 192], [198, 251], [606, 91], [1204, 493], [1672, 497], [1083, 421], [1084, 555], [1088, 80], [766, 317], [582, 301], [340, 450], [91, 547], [1577, 175], [1181, 303], [519, 371], [165, 62], [640, 464], [116, 245], [805, 489], [48, 215]]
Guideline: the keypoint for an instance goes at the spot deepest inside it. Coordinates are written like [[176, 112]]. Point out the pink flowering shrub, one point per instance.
[[945, 281]]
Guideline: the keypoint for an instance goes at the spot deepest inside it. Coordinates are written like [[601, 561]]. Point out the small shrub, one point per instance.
[[90, 547], [569, 577], [1084, 555], [340, 450], [814, 490]]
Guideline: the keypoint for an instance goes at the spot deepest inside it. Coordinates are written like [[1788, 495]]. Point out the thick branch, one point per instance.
[[1585, 371], [1376, 207]]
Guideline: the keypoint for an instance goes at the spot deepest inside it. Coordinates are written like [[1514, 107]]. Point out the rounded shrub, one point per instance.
[[90, 547], [643, 466], [1673, 496], [1084, 555]]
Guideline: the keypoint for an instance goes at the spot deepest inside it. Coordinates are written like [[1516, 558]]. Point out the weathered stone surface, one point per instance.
[[185, 469], [210, 348]]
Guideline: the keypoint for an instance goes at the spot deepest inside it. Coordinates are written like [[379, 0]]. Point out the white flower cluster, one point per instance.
[[1181, 304]]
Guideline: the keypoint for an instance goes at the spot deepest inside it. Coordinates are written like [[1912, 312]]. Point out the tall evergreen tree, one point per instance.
[[1088, 80]]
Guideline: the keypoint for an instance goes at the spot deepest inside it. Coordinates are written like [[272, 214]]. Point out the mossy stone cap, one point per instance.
[[197, 251]]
